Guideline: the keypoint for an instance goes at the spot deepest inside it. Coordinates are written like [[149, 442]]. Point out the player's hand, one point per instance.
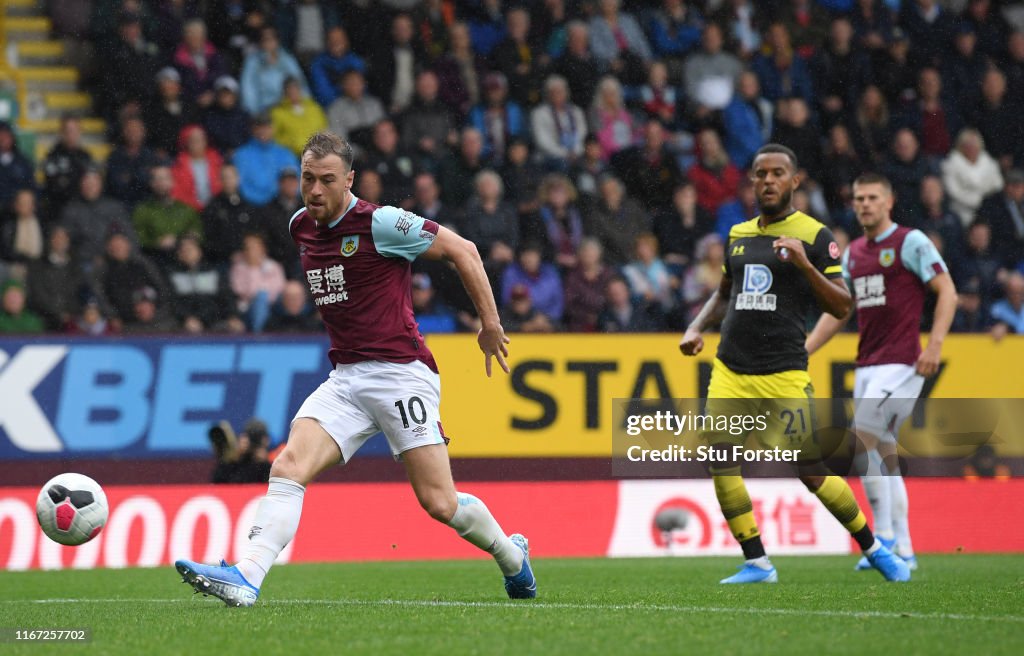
[[691, 343], [928, 362], [492, 341], [791, 249]]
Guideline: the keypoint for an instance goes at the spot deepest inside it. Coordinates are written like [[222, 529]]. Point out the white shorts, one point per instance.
[[359, 400], [884, 396]]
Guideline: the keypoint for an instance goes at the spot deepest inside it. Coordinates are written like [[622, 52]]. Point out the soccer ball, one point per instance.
[[71, 509]]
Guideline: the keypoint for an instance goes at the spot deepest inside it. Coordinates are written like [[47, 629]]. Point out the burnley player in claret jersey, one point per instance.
[[356, 257], [890, 269]]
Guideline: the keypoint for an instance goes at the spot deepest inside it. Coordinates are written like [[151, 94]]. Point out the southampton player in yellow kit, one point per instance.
[[780, 266]]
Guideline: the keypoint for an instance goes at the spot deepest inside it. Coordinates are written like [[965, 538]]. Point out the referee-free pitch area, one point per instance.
[[956, 604]]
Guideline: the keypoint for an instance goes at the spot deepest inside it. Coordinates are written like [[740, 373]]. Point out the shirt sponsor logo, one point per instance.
[[327, 285], [349, 245], [869, 290], [757, 280], [887, 256]]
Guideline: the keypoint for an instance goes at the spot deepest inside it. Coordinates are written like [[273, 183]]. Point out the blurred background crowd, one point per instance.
[[594, 150]]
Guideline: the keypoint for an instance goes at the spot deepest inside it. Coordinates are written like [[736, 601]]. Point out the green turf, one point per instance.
[[955, 604]]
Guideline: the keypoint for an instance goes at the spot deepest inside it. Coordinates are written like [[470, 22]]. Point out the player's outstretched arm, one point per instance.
[[824, 330], [463, 254], [710, 315], [945, 308]]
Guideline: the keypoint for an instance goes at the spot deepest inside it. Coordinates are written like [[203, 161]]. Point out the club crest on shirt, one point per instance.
[[887, 257], [349, 245]]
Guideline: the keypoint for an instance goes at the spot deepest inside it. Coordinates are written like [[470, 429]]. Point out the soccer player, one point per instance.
[[890, 269], [356, 258], [778, 265]]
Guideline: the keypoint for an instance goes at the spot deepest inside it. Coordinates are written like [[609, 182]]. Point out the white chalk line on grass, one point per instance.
[[551, 605]]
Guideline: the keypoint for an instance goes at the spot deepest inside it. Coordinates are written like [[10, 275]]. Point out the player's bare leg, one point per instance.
[[430, 474], [310, 450]]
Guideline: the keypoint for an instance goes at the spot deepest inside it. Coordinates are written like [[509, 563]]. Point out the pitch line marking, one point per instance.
[[669, 608]]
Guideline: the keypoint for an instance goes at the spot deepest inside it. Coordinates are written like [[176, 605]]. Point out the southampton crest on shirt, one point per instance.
[[349, 245]]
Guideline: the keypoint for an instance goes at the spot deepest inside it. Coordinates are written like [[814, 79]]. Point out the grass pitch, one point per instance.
[[956, 604]]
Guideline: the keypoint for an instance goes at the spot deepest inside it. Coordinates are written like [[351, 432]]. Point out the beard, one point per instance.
[[780, 205]]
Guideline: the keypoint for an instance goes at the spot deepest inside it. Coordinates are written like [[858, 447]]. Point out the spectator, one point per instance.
[[118, 275], [21, 236], [678, 228], [328, 67], [747, 120], [427, 197], [522, 177], [200, 298], [168, 112], [161, 219], [996, 119], [714, 177], [487, 220], [873, 25], [519, 60], [272, 220], [578, 64], [55, 282], [609, 119], [432, 316], [558, 126], [431, 24], [15, 318], [393, 164], [521, 316], [617, 220], [871, 126], [353, 115], [585, 287], [964, 68], [622, 314], [893, 71], [129, 163], [248, 461], [196, 170], [92, 218], [90, 321], [905, 167], [540, 278], [618, 42], [1008, 314], [795, 130], [234, 28], [64, 166], [710, 73], [459, 73], [705, 277], [649, 169], [840, 167], [148, 316], [16, 171], [265, 71], [675, 30], [1013, 66], [226, 218], [1004, 212], [741, 22], [588, 170], [296, 117], [457, 171], [931, 117], [971, 316], [304, 25], [783, 73], [930, 28], [393, 70], [427, 125], [257, 281], [980, 264], [228, 125], [984, 463], [658, 99], [969, 174], [130, 62], [497, 118], [735, 212], [293, 313], [557, 225], [840, 70], [649, 279], [199, 64], [934, 216], [260, 162], [989, 25], [370, 188]]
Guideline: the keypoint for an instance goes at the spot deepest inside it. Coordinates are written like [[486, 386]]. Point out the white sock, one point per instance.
[[761, 561], [875, 546], [277, 519], [475, 524], [900, 515], [876, 487]]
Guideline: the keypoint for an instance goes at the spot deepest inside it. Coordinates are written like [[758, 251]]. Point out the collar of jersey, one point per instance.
[[887, 233], [774, 223], [347, 210]]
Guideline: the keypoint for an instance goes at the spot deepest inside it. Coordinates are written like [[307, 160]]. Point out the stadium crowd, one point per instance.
[[595, 151]]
